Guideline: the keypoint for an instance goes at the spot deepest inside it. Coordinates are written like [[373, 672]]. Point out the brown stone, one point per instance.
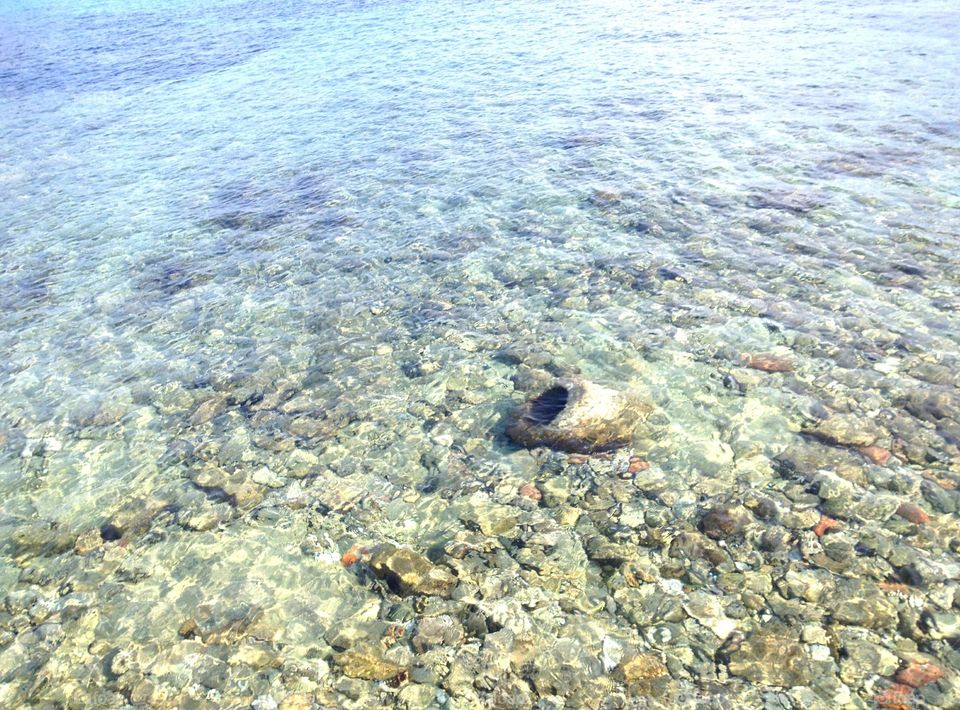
[[914, 513], [408, 572], [825, 525], [297, 701], [88, 541], [771, 656], [212, 408], [646, 674], [768, 362], [365, 663], [877, 454], [578, 416], [245, 495]]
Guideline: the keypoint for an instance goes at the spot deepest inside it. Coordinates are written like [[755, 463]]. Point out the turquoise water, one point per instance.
[[273, 275]]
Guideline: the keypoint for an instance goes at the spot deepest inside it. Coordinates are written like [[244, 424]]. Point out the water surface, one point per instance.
[[273, 275]]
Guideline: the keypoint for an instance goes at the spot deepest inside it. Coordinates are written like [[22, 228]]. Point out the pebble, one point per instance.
[[844, 430], [208, 410], [914, 513], [643, 669], [768, 362], [296, 701], [409, 572], [88, 541], [896, 697], [917, 675], [876, 454], [637, 465], [724, 522], [417, 697], [825, 525], [434, 631], [942, 624], [772, 656], [367, 664], [530, 490]]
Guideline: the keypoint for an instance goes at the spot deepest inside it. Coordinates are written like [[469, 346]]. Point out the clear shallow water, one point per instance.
[[273, 276]]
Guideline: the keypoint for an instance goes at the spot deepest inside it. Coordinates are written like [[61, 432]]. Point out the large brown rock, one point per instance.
[[579, 416]]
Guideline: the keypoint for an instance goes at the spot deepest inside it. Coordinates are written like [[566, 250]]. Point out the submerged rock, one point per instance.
[[725, 521], [577, 415], [768, 362], [366, 663], [408, 572], [845, 430], [646, 674], [772, 657], [433, 631]]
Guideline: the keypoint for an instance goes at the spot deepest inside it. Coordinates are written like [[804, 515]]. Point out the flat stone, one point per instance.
[[772, 657], [417, 697], [646, 673], [365, 663], [208, 410], [845, 430], [88, 541], [433, 631], [296, 701]]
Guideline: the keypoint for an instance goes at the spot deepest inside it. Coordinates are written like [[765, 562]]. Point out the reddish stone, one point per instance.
[[637, 465], [529, 490], [917, 675], [825, 525], [350, 557], [768, 362], [914, 513], [877, 454], [896, 697], [577, 459]]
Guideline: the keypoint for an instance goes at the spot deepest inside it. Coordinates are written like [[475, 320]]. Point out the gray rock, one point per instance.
[[435, 631], [861, 659], [941, 624], [416, 697], [511, 693]]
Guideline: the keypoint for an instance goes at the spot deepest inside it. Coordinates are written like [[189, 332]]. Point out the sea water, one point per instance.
[[273, 275]]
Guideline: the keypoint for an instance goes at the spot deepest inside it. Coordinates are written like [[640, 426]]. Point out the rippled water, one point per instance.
[[274, 274]]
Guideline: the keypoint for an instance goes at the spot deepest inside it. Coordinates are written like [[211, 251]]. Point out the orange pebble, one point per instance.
[[914, 513], [350, 557], [768, 362], [896, 697], [877, 454], [825, 525], [917, 675], [638, 465]]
